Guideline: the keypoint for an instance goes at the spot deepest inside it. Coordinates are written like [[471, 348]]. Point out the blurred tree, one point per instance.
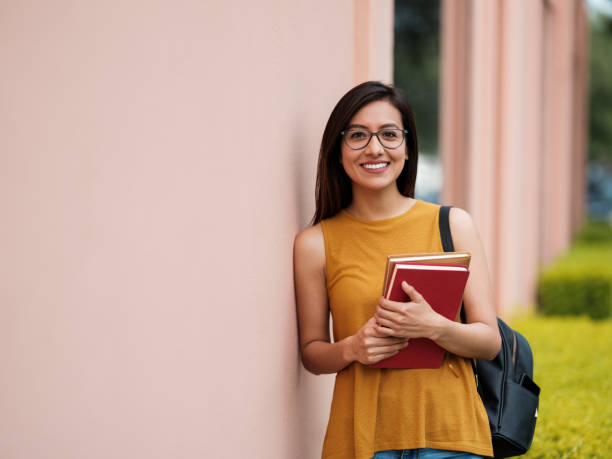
[[600, 91], [417, 64]]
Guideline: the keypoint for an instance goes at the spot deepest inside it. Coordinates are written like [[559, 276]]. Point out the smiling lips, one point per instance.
[[375, 166]]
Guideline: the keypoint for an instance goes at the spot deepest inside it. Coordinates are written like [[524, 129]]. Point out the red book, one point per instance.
[[442, 287]]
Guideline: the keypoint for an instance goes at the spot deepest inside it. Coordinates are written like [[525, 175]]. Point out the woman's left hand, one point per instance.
[[413, 319]]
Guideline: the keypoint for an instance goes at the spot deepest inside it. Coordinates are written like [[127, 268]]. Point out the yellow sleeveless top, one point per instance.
[[379, 409]]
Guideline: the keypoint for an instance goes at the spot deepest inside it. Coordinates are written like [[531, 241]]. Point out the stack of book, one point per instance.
[[440, 278]]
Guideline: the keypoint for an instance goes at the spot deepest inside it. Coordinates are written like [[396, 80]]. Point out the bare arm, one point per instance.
[[319, 354], [479, 337]]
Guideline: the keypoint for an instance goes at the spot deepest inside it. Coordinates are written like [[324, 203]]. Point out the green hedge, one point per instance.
[[595, 232], [570, 293], [580, 282]]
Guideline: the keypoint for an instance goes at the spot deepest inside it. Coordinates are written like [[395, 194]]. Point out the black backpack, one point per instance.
[[504, 384]]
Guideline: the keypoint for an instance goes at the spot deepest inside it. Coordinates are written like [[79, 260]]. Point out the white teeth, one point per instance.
[[375, 166]]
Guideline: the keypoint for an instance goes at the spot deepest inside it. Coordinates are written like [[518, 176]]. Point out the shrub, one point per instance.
[[580, 282], [595, 232], [569, 292]]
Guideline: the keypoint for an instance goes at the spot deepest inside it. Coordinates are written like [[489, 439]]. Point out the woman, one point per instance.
[[365, 210]]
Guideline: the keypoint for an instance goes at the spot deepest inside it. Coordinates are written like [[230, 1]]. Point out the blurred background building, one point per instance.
[[510, 116], [157, 160]]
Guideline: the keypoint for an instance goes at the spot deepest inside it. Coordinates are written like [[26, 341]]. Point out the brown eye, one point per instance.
[[357, 135], [391, 134]]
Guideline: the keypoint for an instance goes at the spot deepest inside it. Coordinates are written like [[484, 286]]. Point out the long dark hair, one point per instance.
[[333, 190]]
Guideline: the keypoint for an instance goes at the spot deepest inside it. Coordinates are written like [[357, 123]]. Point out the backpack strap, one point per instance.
[[448, 246], [445, 233], [447, 240]]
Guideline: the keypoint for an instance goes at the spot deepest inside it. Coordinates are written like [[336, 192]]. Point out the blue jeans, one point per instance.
[[423, 453]]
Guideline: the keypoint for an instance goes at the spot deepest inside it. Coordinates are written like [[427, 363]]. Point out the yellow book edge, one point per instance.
[[447, 258]]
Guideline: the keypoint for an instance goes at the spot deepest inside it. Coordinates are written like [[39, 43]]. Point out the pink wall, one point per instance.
[[156, 161], [513, 129], [373, 43]]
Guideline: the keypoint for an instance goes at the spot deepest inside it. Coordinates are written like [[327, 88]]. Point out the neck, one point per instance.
[[378, 205]]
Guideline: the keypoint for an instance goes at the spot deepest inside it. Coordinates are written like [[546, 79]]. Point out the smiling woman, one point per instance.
[[334, 188], [366, 154], [365, 211]]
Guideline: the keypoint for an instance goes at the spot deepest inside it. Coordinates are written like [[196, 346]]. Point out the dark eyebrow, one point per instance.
[[386, 125]]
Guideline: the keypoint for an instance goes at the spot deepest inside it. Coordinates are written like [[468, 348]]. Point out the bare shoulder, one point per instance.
[[309, 246], [463, 228], [460, 219]]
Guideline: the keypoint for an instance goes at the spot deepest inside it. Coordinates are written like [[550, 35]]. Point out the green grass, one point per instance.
[[573, 366]]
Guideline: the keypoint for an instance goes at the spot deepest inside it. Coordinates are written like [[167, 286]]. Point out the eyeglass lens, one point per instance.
[[359, 138]]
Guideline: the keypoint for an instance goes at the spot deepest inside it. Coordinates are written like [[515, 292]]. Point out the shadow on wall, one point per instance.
[[311, 391]]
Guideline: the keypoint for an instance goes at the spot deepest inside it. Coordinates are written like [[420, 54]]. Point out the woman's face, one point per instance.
[[374, 167]]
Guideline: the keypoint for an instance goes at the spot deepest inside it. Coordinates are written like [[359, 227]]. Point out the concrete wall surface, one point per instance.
[[156, 161]]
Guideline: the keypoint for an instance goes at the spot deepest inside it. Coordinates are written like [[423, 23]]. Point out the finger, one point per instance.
[[368, 327], [396, 332], [381, 357], [388, 305], [382, 313], [411, 292], [370, 323], [389, 349], [386, 353], [386, 322], [384, 331], [386, 341]]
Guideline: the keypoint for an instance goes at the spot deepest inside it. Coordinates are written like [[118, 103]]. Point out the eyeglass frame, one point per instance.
[[372, 134]]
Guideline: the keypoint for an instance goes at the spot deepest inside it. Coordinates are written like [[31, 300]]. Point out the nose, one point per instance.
[[375, 147]]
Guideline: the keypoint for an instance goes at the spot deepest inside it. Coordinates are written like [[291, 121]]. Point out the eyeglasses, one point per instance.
[[357, 138]]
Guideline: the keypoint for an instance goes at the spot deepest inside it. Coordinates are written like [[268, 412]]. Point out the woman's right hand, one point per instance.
[[369, 347]]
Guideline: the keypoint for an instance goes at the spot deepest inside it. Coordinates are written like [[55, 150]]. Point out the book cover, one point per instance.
[[442, 286], [456, 258]]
